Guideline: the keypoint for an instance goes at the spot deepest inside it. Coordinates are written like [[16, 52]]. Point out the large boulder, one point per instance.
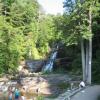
[[34, 65]]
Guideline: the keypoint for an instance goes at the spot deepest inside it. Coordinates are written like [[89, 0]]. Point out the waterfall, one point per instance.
[[48, 67]]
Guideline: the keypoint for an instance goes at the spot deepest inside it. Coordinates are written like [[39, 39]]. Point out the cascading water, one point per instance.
[[49, 65]]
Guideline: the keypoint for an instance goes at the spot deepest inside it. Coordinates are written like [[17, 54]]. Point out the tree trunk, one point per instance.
[[87, 59], [83, 59], [90, 48], [89, 62]]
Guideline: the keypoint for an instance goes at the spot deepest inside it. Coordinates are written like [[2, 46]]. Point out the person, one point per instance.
[[10, 96], [23, 91], [82, 84], [10, 93], [17, 94], [72, 84]]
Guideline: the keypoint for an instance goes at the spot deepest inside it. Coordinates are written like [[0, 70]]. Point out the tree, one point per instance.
[[77, 26], [25, 32], [17, 19]]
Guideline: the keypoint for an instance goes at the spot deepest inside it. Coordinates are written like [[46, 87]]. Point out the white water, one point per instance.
[[49, 65]]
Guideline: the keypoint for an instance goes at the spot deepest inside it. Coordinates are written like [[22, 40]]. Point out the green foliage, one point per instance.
[[25, 33], [40, 98], [69, 4], [16, 20], [46, 34], [74, 24]]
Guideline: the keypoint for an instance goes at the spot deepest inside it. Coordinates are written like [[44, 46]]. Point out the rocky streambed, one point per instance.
[[50, 85]]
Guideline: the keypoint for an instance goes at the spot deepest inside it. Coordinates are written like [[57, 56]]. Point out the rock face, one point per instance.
[[34, 65], [30, 66]]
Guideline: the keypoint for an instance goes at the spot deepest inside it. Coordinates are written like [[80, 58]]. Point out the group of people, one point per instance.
[[15, 95]]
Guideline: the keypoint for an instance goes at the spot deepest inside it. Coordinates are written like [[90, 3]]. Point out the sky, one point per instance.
[[52, 6]]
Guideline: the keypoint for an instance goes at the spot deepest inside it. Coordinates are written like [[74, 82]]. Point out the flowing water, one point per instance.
[[49, 65]]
